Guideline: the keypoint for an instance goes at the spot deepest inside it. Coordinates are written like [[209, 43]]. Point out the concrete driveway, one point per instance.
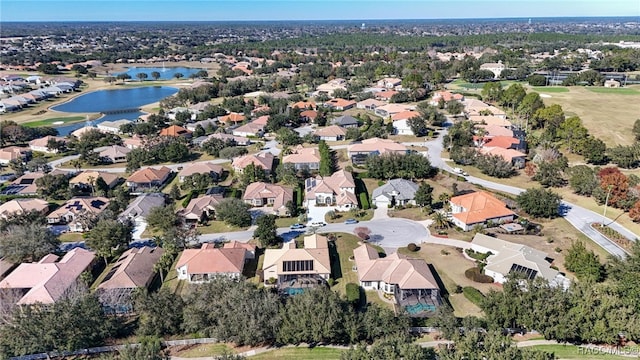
[[317, 213]]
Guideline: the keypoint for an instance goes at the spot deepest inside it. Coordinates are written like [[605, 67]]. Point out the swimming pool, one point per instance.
[[419, 308], [293, 291]]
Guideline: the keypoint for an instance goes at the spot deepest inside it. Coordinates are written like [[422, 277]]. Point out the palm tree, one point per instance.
[[441, 221]]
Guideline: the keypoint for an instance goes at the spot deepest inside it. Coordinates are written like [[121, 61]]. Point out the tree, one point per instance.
[[418, 126], [550, 118], [18, 167], [513, 96], [149, 348], [162, 218], [109, 238], [288, 137], [424, 195], [159, 313], [266, 232], [327, 163], [178, 75], [549, 174], [539, 202], [455, 107], [155, 75], [634, 212], [430, 114], [529, 105], [494, 165], [492, 91], [234, 212], [441, 221], [537, 80], [636, 130], [594, 150], [584, 263], [27, 242], [54, 187], [614, 187], [123, 77], [232, 152], [583, 180], [252, 173], [142, 76]]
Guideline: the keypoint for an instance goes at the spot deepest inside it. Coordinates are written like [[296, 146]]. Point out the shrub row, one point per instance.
[[475, 274], [474, 295], [364, 201]]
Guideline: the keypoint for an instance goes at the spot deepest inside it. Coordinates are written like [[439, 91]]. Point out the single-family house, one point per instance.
[[86, 180], [148, 179], [395, 192], [495, 68], [292, 269], [213, 170], [134, 270], [389, 83], [331, 133], [308, 115], [274, 196], [208, 262], [253, 128], [346, 121], [338, 190], [24, 185], [369, 104], [21, 206], [359, 151], [303, 158], [508, 259], [75, 212], [387, 111], [232, 118], [493, 130], [401, 122], [331, 86], [409, 281], [141, 206], [474, 107], [48, 280], [505, 142], [611, 83], [251, 249], [384, 95], [114, 154], [515, 157], [490, 120], [83, 130], [304, 105], [239, 140], [176, 131], [263, 160], [42, 144], [7, 154], [340, 104], [478, 208], [113, 127], [446, 96], [201, 208]]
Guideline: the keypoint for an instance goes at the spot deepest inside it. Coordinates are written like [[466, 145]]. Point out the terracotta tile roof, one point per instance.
[[249, 128], [391, 109], [115, 151], [447, 96], [233, 117], [340, 103], [28, 181], [262, 120], [19, 206], [174, 131], [479, 207], [239, 245], [371, 102], [148, 175], [263, 160], [490, 120], [134, 269], [302, 155], [495, 130], [304, 105], [89, 177], [198, 206], [47, 280], [405, 115], [329, 131], [315, 248], [261, 190], [43, 141], [311, 114], [506, 154], [209, 260], [340, 184], [387, 94], [504, 142]]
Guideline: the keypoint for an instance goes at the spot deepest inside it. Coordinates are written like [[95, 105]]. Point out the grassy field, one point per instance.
[[572, 352], [609, 114], [205, 350], [50, 121], [345, 243], [216, 226], [300, 353], [551, 89], [71, 237]]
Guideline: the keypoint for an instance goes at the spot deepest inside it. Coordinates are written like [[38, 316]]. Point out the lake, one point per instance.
[[128, 101], [165, 73]]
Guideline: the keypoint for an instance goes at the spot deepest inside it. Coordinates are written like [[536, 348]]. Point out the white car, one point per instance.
[[318, 224]]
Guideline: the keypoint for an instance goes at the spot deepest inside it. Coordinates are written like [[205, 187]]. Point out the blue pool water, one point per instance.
[[419, 308], [294, 291], [113, 101], [166, 73]]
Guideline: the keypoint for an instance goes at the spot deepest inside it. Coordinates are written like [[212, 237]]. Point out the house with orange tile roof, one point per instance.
[[273, 196], [409, 281], [14, 153], [303, 158], [494, 130], [331, 133], [201, 208], [264, 109], [251, 249], [359, 152], [304, 105], [446, 96], [21, 206], [176, 131], [337, 190], [308, 115], [401, 122], [205, 264], [515, 157], [133, 142], [48, 280], [340, 104], [370, 104], [478, 208], [263, 160], [505, 142], [389, 110], [385, 95], [233, 118], [133, 270], [148, 179], [490, 120], [295, 268], [75, 211]]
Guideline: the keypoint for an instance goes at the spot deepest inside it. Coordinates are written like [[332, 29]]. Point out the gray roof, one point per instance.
[[141, 206], [345, 120], [401, 189]]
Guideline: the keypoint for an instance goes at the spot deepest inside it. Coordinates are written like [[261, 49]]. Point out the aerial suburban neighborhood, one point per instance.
[[363, 191]]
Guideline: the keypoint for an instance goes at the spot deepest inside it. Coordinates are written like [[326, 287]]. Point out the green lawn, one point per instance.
[[216, 226], [286, 222], [71, 237], [551, 89], [300, 353], [206, 350], [50, 121], [617, 91], [345, 243], [572, 352]]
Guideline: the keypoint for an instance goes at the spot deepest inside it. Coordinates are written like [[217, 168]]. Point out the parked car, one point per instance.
[[297, 226], [318, 224], [351, 221]]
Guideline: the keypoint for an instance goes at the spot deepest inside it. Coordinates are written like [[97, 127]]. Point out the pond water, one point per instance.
[[117, 104], [165, 73]]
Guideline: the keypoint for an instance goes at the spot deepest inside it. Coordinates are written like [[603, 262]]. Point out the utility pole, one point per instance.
[[606, 201]]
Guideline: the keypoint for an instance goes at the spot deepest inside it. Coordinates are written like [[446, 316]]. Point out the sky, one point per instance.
[[229, 10]]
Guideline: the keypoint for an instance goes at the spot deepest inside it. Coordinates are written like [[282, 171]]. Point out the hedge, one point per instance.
[[353, 293], [476, 275], [474, 295], [364, 201], [192, 194]]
